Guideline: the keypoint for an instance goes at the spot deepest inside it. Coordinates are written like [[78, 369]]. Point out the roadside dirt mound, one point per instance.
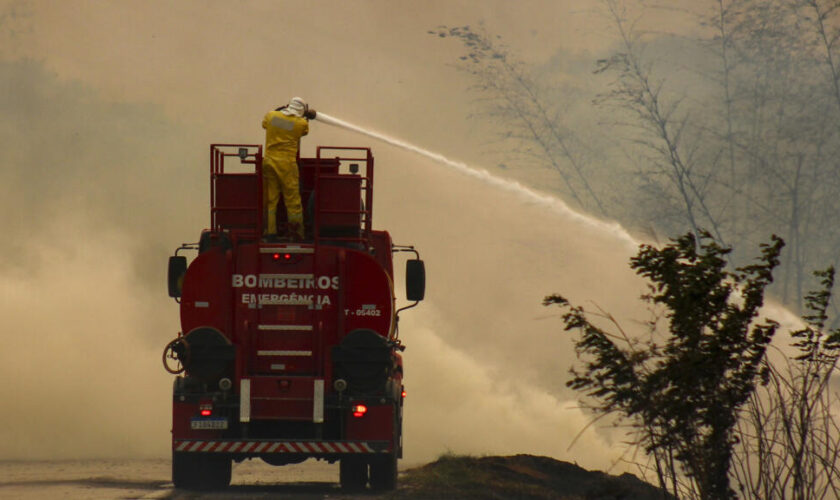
[[519, 476]]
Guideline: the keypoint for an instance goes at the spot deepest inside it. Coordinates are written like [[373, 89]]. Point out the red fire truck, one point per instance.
[[289, 350]]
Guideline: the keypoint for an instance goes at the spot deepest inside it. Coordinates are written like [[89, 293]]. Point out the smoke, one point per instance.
[[96, 193], [92, 207], [82, 377], [94, 196], [512, 416], [98, 187], [96, 210], [483, 357], [117, 165], [486, 363]]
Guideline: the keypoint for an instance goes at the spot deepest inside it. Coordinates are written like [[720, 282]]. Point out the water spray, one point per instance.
[[551, 202]]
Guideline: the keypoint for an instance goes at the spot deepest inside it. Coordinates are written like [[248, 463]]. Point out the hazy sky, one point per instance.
[[104, 143], [370, 60]]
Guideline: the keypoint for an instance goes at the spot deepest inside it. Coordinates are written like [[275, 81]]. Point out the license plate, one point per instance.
[[208, 423]]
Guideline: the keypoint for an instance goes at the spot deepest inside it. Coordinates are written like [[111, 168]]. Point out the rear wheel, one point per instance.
[[353, 473], [383, 471], [196, 471], [383, 468]]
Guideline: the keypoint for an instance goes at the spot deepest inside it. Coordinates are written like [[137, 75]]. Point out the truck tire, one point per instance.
[[353, 473], [383, 472], [383, 467], [194, 471]]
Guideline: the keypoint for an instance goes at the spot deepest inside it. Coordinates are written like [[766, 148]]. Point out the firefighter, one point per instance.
[[283, 129]]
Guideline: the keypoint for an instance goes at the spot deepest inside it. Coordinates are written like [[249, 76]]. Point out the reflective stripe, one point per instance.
[[314, 447], [286, 328], [245, 400], [287, 250], [284, 353], [318, 401], [282, 124]]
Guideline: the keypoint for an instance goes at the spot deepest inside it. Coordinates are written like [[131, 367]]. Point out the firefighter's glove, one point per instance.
[[310, 114]]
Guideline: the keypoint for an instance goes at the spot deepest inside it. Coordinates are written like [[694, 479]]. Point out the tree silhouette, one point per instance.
[[683, 393]]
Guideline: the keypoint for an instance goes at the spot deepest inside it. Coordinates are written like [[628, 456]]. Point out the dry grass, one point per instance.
[[519, 477]]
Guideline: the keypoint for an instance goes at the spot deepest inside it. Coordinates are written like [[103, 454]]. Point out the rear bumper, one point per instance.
[[260, 447]]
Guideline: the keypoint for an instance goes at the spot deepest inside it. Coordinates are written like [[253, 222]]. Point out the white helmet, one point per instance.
[[296, 107]]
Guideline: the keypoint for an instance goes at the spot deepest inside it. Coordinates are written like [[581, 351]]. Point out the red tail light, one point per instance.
[[205, 409], [359, 410]]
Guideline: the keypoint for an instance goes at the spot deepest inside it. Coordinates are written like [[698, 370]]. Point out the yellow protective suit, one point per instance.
[[280, 169]]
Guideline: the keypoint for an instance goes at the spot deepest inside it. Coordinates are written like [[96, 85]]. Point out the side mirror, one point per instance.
[[175, 276], [415, 280]]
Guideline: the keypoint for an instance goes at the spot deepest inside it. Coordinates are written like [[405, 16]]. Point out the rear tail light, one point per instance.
[[205, 409], [359, 411]]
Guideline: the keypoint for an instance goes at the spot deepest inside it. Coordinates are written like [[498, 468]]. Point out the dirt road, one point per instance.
[[150, 479]]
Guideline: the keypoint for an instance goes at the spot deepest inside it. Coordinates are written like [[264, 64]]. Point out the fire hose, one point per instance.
[[178, 350]]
